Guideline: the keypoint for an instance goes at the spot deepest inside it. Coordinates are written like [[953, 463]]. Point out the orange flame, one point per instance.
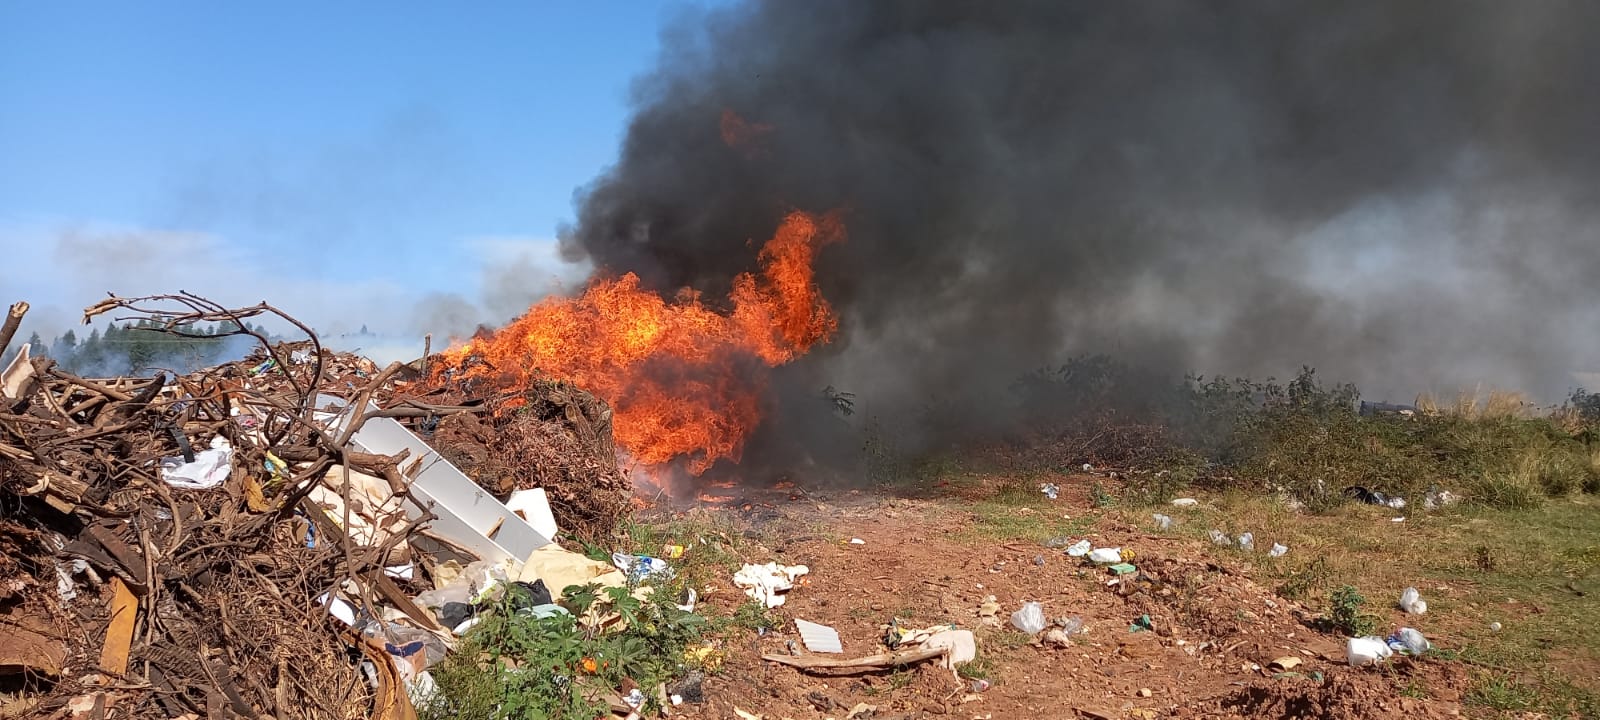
[[684, 380]]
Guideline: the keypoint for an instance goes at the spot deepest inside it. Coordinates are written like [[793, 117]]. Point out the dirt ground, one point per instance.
[[1215, 630]]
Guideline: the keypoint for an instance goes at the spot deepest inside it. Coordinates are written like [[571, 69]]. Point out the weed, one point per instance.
[[979, 668], [514, 666], [1483, 557], [1502, 692], [1415, 689], [753, 616], [1345, 605], [1101, 498], [1303, 582]]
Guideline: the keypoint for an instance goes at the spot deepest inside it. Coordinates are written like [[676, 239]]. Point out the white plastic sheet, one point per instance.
[[209, 469]]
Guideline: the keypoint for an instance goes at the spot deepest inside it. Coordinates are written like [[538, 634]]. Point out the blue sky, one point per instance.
[[341, 160]]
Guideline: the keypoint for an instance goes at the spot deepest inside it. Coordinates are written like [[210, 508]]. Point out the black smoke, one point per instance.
[[1402, 194]]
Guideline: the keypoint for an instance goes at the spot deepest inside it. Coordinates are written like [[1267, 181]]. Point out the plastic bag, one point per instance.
[[1030, 619], [1163, 522], [1408, 641], [1106, 556], [1278, 550], [1218, 538], [1080, 549], [1411, 601], [1247, 541], [478, 581]]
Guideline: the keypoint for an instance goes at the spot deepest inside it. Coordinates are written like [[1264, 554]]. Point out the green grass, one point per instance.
[[1511, 566]]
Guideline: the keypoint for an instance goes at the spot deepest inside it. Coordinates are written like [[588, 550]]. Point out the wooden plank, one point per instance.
[[119, 632]]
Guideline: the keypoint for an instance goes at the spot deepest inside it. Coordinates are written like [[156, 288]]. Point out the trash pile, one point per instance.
[[254, 538]]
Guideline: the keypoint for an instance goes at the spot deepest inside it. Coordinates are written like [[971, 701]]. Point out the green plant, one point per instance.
[[1502, 692], [1345, 615], [979, 668], [514, 666], [1300, 583], [1101, 498]]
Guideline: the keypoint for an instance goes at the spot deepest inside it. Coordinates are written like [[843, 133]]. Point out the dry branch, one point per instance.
[[882, 661]]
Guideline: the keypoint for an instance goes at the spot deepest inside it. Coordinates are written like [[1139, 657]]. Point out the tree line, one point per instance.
[[139, 348]]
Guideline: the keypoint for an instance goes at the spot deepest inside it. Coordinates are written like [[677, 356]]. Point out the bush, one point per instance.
[[1345, 613]]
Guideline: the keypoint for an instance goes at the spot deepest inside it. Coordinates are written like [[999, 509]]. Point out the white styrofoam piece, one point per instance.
[[818, 638], [465, 512], [534, 506]]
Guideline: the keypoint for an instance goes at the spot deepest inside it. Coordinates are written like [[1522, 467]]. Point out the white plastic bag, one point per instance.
[[1366, 651], [1411, 601], [1163, 522], [1278, 550], [1218, 538], [1247, 541], [480, 580], [1409, 641], [1106, 556], [1030, 619], [1080, 548]]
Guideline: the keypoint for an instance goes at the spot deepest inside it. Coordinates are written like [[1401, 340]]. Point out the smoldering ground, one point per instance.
[[1400, 194]]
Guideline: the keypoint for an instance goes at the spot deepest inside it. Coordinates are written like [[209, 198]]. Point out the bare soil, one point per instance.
[[1216, 631]]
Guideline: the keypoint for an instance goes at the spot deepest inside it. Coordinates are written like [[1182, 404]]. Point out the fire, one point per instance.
[[684, 379]]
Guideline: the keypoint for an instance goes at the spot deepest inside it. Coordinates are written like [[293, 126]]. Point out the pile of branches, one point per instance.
[[200, 602], [552, 435]]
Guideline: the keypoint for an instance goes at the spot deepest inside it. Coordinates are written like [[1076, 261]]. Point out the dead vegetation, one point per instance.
[[173, 542]]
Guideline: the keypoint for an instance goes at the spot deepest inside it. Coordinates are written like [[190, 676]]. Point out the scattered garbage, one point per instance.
[[895, 636], [1072, 625], [639, 567], [1436, 499], [1163, 522], [1123, 569], [1219, 538], [1285, 663], [1278, 550], [989, 612], [478, 582], [818, 638], [960, 646], [1411, 601], [1030, 619], [1373, 497], [857, 541], [1494, 627], [979, 685], [1185, 502], [1080, 549], [1363, 651], [1038, 560], [1059, 541], [673, 552], [768, 583], [1247, 541], [206, 470], [1106, 556], [1050, 490], [1408, 641], [1141, 624]]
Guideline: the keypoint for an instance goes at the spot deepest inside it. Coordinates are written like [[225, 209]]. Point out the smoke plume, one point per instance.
[[1401, 194]]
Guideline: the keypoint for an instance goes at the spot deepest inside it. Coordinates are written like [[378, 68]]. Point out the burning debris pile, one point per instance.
[[550, 435], [248, 539], [687, 380]]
